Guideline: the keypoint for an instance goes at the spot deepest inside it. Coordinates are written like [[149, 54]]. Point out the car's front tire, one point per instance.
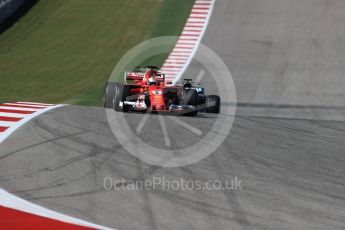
[[109, 92], [120, 95]]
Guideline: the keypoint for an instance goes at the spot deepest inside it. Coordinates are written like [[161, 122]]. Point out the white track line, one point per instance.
[[18, 109], [25, 105], [34, 103], [2, 114], [6, 123], [195, 20], [199, 11], [174, 62], [190, 32], [179, 45]]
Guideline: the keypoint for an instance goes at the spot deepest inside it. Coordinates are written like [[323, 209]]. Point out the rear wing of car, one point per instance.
[[139, 76], [134, 76]]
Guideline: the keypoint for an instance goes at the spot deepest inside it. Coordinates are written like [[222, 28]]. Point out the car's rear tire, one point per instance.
[[190, 97], [213, 104], [109, 92], [120, 95]]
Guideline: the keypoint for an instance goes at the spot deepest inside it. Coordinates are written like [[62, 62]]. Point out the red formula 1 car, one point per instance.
[[148, 91]]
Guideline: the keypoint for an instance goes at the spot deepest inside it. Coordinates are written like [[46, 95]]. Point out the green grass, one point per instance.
[[62, 51]]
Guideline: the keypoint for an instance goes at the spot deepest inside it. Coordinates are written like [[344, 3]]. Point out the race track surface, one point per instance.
[[286, 144]]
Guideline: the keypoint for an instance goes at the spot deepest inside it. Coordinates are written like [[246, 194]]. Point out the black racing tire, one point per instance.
[[213, 104], [190, 97], [109, 92], [121, 93]]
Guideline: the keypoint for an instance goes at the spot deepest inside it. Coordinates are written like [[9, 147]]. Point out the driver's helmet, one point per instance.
[[152, 78]]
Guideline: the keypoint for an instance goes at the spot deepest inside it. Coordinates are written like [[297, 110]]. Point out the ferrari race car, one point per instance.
[[148, 91]]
